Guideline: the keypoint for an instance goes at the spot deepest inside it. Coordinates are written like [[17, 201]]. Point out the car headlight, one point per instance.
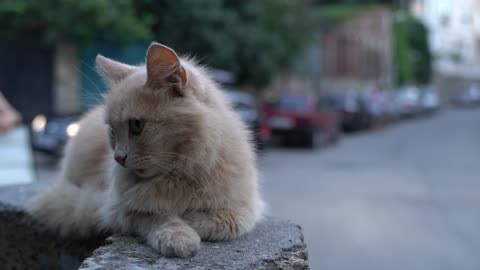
[[73, 129], [39, 123]]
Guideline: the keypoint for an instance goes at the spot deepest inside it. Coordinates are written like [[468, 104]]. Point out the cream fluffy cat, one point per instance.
[[165, 158]]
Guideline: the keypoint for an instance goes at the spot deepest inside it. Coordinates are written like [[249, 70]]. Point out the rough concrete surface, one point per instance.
[[274, 244]]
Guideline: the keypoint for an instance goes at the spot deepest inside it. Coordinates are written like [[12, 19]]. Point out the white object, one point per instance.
[[16, 162]]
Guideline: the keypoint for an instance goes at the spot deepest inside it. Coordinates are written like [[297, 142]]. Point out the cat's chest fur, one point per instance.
[[129, 198], [172, 193]]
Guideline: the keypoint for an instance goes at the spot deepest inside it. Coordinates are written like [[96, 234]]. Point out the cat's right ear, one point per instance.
[[164, 67], [113, 71]]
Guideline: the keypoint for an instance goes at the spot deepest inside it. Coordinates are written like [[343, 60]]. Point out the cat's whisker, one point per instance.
[[90, 96], [86, 77], [156, 163], [97, 95]]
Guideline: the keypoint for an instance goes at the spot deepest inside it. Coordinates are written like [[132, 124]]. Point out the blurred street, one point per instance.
[[366, 115], [405, 197]]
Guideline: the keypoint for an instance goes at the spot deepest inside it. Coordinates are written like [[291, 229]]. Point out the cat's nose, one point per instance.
[[120, 158]]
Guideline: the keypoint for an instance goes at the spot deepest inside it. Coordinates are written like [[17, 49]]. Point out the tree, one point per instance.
[[253, 39], [412, 56], [273, 32], [332, 2], [78, 21], [422, 57]]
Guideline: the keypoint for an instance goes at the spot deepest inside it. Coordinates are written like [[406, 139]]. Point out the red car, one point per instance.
[[302, 118]]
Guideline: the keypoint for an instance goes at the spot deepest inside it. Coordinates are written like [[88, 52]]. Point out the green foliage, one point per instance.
[[422, 57], [254, 39], [271, 35], [334, 13], [403, 63], [82, 21], [412, 55], [355, 2]]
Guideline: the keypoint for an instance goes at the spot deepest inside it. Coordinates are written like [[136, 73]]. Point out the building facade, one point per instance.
[[357, 53], [454, 34], [350, 55]]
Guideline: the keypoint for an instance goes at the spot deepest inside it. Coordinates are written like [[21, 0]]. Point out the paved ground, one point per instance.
[[406, 197]]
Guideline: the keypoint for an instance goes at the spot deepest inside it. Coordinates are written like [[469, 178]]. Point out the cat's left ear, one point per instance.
[[113, 71], [164, 68]]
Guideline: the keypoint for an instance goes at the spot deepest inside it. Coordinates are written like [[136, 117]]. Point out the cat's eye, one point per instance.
[[135, 126]]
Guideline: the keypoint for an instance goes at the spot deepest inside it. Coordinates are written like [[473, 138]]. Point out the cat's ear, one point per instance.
[[113, 71], [164, 67]]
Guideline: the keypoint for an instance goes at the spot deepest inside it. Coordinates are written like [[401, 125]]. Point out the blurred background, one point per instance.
[[364, 113]]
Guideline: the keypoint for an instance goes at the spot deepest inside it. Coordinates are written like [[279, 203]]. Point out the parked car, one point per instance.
[[430, 100], [245, 105], [49, 135], [302, 118], [354, 114], [406, 102], [468, 96]]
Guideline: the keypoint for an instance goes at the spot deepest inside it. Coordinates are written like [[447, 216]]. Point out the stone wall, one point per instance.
[[26, 245], [273, 244]]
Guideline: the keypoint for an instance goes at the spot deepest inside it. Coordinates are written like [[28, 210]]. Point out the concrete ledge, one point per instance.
[[274, 244]]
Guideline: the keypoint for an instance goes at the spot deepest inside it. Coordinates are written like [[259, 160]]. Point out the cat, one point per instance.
[[164, 157]]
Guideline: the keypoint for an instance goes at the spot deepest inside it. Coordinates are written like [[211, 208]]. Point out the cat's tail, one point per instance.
[[68, 209]]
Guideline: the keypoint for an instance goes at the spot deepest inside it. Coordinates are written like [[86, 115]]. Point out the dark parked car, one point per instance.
[[50, 135], [302, 118], [354, 113], [468, 96], [245, 105]]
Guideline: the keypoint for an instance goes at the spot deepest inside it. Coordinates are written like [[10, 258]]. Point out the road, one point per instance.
[[405, 197]]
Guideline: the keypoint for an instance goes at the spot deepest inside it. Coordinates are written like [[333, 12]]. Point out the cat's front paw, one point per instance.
[[175, 242]]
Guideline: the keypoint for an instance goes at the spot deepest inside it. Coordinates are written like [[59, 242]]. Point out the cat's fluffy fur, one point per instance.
[[189, 175]]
